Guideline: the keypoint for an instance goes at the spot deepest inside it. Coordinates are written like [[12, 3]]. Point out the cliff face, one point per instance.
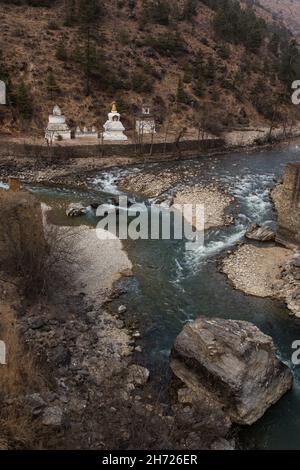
[[287, 202], [176, 59]]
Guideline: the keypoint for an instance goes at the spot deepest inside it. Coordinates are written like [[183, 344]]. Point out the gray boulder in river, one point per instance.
[[233, 365], [76, 210], [260, 233]]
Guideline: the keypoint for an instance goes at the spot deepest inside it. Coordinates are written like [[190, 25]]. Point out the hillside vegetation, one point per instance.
[[216, 62], [285, 11]]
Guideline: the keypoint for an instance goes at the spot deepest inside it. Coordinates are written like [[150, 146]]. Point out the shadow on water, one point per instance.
[[172, 286]]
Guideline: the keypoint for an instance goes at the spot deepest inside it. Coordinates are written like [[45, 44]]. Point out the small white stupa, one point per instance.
[[145, 122], [114, 129], [57, 126]]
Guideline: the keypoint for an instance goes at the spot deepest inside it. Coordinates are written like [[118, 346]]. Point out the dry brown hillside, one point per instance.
[[180, 68], [287, 11]]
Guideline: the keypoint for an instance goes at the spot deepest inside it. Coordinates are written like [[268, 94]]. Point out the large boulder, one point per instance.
[[260, 233], [76, 210], [233, 364]]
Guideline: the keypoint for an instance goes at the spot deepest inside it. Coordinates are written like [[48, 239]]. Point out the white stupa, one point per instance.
[[145, 122], [114, 129], [57, 126]]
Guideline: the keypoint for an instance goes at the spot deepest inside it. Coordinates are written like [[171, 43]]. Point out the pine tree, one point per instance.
[[290, 64], [258, 91], [157, 12], [209, 70], [52, 86], [188, 73], [190, 9], [24, 102], [89, 61], [61, 53], [70, 13], [77, 55], [181, 96], [199, 88], [88, 11], [274, 43]]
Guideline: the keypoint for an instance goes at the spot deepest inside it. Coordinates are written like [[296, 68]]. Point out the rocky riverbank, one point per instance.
[[70, 380], [271, 271], [78, 386], [168, 186], [214, 201], [72, 171]]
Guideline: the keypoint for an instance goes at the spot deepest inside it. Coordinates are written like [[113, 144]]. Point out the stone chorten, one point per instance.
[[114, 129], [145, 122], [57, 126]]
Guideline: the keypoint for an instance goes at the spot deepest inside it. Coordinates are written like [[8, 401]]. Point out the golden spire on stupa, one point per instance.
[[114, 107]]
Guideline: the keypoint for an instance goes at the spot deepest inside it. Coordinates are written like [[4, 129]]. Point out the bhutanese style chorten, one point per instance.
[[114, 129], [57, 126]]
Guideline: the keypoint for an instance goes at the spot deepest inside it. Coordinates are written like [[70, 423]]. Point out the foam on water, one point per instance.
[[107, 181], [213, 247], [252, 192], [3, 185]]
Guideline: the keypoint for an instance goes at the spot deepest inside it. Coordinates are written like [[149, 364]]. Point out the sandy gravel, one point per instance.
[[255, 270], [213, 200], [155, 185], [101, 262], [151, 184], [95, 266]]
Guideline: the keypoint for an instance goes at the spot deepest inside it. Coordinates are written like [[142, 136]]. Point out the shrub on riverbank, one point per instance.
[[35, 259]]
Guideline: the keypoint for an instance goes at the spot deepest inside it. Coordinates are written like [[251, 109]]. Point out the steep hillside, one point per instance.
[[286, 11], [195, 62]]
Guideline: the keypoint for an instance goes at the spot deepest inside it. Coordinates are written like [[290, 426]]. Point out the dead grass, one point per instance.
[[32, 264], [37, 259], [20, 376]]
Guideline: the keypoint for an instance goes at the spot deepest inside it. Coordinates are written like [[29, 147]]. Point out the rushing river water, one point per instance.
[[172, 286]]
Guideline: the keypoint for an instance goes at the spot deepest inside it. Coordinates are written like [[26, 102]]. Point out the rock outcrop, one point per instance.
[[286, 198], [232, 366], [287, 285], [260, 233]]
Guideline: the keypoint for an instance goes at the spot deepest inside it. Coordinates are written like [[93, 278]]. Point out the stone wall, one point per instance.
[[287, 202], [186, 148]]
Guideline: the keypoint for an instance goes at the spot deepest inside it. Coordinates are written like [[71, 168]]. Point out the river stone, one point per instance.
[[259, 233], [52, 416], [76, 210], [296, 261], [234, 363], [122, 309], [37, 323], [36, 403], [296, 294], [138, 375], [61, 356]]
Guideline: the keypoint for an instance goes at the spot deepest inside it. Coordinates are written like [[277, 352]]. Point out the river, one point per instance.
[[172, 286]]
